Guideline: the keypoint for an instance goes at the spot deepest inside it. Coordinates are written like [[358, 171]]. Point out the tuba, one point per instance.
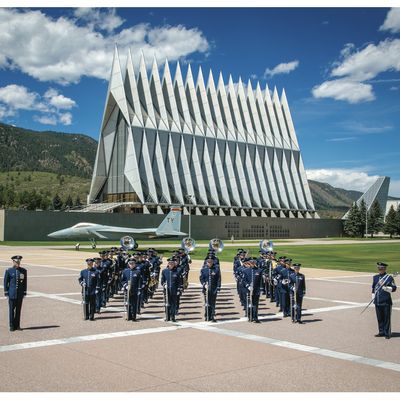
[[216, 244], [189, 244], [266, 245], [128, 243]]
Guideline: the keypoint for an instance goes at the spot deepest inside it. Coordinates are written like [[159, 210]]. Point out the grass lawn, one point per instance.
[[349, 257]]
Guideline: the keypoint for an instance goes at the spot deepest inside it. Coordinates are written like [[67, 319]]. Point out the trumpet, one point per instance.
[[266, 245]]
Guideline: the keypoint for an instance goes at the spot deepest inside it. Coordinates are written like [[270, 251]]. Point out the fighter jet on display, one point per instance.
[[170, 226]]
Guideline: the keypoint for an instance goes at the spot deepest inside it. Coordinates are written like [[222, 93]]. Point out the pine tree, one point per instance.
[[375, 219], [352, 224], [363, 214], [57, 202], [390, 227], [69, 203], [398, 219], [78, 202]]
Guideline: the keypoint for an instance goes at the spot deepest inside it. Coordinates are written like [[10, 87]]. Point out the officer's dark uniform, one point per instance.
[[298, 291], [89, 280], [278, 281], [382, 285], [172, 281], [102, 275], [210, 278], [252, 280], [285, 289], [15, 285], [132, 284]]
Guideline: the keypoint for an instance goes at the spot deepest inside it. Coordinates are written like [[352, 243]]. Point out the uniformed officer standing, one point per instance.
[[382, 287], [132, 284], [278, 281], [210, 278], [285, 289], [15, 284], [297, 282], [89, 280], [172, 282], [252, 280]]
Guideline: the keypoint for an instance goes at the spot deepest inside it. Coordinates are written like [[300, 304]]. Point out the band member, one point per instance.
[[102, 275], [172, 282], [210, 278], [155, 262], [89, 280], [278, 281], [15, 284], [297, 282], [285, 288], [252, 281], [132, 285], [382, 287]]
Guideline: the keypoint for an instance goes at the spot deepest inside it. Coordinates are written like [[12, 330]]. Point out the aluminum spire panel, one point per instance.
[[132, 167], [169, 98], [204, 106], [158, 98], [198, 173], [264, 119], [132, 92], [270, 179], [187, 177], [182, 104], [235, 113], [225, 110], [116, 93], [259, 134], [289, 121], [286, 142], [269, 108], [193, 104], [174, 171], [244, 113], [214, 107], [252, 179], [261, 180], [145, 95], [242, 177]]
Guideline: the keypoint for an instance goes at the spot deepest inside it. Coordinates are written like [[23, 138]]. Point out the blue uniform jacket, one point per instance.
[[253, 277], [92, 280], [173, 279], [383, 298], [15, 283], [212, 277], [285, 274], [135, 277], [298, 282]]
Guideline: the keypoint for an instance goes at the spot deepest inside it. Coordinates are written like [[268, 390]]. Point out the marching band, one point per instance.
[[138, 276]]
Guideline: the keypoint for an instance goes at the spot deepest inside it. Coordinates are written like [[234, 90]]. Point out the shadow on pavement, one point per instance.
[[41, 327]]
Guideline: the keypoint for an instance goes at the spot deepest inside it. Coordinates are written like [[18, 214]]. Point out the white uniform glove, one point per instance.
[[83, 283], [275, 281], [372, 296], [250, 288], [387, 288]]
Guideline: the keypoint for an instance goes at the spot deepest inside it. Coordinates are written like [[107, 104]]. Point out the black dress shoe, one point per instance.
[[387, 337], [257, 321], [173, 320], [213, 320], [91, 319], [12, 329], [379, 335], [19, 328], [300, 322]]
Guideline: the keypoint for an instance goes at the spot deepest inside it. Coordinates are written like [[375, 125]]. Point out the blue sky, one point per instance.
[[340, 69]]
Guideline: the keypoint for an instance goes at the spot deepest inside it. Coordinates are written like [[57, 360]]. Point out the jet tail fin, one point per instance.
[[171, 225]]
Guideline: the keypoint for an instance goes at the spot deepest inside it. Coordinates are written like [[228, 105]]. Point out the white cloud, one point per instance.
[[349, 179], [370, 61], [63, 50], [58, 100], [344, 89], [46, 119], [283, 68], [66, 118], [106, 20], [392, 21], [16, 97], [393, 88]]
